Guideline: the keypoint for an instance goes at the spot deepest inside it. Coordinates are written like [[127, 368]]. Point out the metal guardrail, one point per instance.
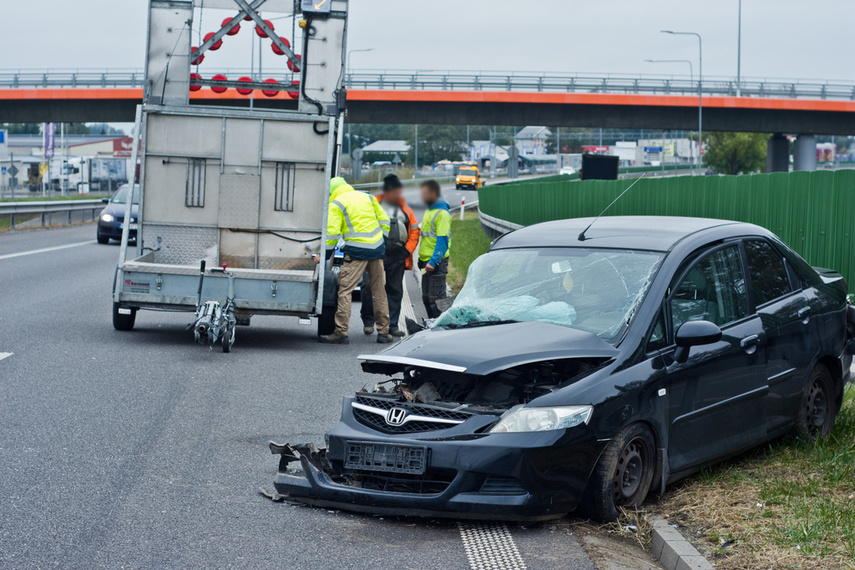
[[48, 208], [483, 81], [583, 83]]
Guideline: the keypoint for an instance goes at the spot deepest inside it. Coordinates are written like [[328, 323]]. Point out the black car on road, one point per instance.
[[112, 217], [582, 371]]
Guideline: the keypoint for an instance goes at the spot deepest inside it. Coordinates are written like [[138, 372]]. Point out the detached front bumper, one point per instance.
[[519, 476]]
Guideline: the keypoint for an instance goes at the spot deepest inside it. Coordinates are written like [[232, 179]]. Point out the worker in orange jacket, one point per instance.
[[402, 241]]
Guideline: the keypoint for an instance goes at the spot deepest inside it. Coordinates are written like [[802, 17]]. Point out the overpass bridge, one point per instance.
[[803, 107], [583, 100]]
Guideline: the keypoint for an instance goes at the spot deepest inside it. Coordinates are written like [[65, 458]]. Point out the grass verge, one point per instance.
[[55, 198], [788, 504], [468, 241], [6, 221]]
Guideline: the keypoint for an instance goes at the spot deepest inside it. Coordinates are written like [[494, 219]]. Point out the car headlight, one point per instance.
[[524, 419], [107, 218]]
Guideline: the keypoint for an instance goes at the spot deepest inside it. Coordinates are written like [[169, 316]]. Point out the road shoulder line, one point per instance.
[[45, 249]]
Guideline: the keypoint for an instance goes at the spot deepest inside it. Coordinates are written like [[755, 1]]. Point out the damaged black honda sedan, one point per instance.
[[578, 371]]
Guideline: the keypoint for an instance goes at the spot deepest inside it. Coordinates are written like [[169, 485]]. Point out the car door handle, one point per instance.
[[749, 344], [804, 314]]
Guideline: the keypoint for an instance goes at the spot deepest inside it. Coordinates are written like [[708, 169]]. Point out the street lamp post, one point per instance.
[[349, 140], [691, 81], [739, 54], [700, 88]]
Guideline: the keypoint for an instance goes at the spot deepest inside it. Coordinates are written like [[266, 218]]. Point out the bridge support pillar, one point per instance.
[[777, 154], [804, 153]]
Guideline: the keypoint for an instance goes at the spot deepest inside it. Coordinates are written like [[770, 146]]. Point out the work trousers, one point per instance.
[[348, 278], [433, 287], [395, 269]]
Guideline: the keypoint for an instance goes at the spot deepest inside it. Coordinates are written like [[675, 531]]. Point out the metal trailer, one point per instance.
[[233, 200]]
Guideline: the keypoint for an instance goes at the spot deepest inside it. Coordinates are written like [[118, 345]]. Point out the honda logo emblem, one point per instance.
[[396, 416]]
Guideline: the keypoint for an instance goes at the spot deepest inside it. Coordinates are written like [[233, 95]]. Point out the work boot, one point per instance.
[[397, 333], [384, 338], [368, 330], [334, 338]]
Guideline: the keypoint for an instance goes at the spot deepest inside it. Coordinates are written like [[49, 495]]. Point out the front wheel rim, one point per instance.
[[817, 407], [633, 463]]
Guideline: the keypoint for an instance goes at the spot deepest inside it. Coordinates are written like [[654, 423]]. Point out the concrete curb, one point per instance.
[[672, 550]]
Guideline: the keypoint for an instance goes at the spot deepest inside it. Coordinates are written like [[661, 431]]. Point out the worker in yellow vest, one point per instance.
[[357, 219], [434, 247]]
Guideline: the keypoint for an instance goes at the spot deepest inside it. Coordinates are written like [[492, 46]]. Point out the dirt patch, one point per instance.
[[615, 547]]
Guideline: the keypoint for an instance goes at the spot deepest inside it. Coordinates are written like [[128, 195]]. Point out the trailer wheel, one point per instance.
[[326, 321], [123, 322], [229, 338]]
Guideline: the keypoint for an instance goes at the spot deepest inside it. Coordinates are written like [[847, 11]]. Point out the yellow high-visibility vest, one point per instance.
[[355, 217]]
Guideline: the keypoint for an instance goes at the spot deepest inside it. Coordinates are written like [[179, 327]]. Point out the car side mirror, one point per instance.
[[694, 333], [105, 200]]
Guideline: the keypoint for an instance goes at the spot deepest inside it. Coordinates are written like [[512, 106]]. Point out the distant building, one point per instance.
[[532, 140], [626, 151], [485, 153], [116, 146]]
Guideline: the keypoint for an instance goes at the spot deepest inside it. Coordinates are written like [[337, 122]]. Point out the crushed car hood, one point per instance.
[[487, 349]]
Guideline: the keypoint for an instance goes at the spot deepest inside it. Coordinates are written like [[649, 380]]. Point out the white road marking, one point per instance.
[[4, 355], [45, 250], [490, 546]]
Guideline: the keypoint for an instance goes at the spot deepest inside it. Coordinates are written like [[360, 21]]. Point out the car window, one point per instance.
[[713, 290], [769, 278]]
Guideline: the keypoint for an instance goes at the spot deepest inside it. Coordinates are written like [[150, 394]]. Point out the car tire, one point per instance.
[[817, 408], [103, 239], [623, 475], [123, 322], [457, 186]]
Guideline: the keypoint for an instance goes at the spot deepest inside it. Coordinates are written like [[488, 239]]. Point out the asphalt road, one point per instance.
[[143, 450], [412, 195]]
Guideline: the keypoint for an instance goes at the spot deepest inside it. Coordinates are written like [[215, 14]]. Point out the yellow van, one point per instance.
[[469, 178]]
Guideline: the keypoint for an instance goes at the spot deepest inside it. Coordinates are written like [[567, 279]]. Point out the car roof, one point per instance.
[[657, 233]]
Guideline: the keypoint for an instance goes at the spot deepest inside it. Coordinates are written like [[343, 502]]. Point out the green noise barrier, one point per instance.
[[812, 212]]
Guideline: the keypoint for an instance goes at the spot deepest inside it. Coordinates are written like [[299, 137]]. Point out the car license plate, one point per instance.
[[409, 459], [133, 226]]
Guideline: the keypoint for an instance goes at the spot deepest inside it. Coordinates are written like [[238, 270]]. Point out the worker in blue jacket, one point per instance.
[[434, 248]]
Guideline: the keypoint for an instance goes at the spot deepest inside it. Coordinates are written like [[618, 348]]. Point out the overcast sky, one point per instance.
[[781, 38]]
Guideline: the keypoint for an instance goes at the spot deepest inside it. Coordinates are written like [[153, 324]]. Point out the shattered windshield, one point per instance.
[[594, 290]]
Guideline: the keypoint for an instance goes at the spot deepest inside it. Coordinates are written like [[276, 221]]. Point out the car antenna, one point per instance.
[[582, 235]]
